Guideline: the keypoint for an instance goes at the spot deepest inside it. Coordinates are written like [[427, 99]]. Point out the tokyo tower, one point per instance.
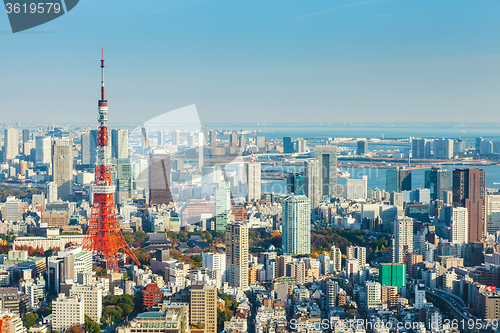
[[103, 233]]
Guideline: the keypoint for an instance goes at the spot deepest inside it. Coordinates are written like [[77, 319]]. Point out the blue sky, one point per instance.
[[254, 61]]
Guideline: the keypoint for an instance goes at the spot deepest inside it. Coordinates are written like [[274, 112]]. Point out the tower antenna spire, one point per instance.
[[104, 236], [102, 74]]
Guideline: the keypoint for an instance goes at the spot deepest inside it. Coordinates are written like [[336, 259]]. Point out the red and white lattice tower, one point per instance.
[[103, 233]]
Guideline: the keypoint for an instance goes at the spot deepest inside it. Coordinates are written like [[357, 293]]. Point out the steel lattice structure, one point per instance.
[[103, 233]]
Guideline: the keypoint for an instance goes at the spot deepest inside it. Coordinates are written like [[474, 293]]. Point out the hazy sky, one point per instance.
[[271, 60]]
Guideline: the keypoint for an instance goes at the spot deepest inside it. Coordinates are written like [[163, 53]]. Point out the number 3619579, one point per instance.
[[39, 7]]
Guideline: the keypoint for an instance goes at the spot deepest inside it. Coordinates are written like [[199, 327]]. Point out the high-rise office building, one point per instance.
[[243, 143], [160, 138], [458, 146], [361, 147], [358, 253], [459, 225], [296, 183], [89, 147], [13, 210], [419, 296], [336, 257], [62, 164], [237, 255], [287, 145], [11, 143], [67, 311], [253, 181], [203, 303], [205, 136], [357, 188], [486, 147], [438, 181], [443, 149], [122, 175], [159, 179], [51, 192], [296, 225], [469, 191], [301, 146], [313, 182], [25, 135], [260, 142], [85, 148], [43, 149], [496, 147], [493, 213], [191, 141], [119, 147], [331, 294], [403, 234], [420, 148], [327, 159], [478, 144], [222, 205], [397, 179], [392, 275], [92, 299], [216, 262], [233, 140], [373, 295], [176, 138], [213, 139]]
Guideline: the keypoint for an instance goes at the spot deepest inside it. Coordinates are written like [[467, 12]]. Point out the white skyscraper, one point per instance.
[[11, 143], [51, 192], [62, 164], [336, 257], [373, 295], [313, 185], [403, 230], [493, 213], [253, 181], [357, 252], [222, 205], [176, 138], [67, 311], [301, 145], [296, 225], [357, 188], [459, 225], [443, 149], [419, 296], [119, 143], [216, 262], [43, 149], [92, 299]]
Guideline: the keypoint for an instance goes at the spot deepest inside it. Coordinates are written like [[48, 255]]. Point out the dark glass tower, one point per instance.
[[469, 192]]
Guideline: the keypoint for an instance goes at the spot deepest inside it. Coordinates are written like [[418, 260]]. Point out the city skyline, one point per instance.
[[267, 166]]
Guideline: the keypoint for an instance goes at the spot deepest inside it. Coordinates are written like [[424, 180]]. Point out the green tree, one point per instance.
[[30, 319], [91, 326], [140, 236], [111, 313], [101, 272], [143, 256]]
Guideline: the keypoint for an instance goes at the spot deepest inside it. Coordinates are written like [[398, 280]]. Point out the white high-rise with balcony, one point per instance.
[[459, 225]]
